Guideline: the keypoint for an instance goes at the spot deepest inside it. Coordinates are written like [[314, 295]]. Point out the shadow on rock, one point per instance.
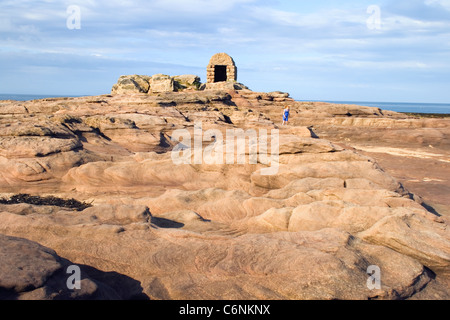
[[30, 271], [166, 223], [124, 287]]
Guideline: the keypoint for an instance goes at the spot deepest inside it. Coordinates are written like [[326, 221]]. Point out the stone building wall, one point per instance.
[[221, 59]]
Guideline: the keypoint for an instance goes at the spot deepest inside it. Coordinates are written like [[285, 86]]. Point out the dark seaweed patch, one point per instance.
[[46, 201]]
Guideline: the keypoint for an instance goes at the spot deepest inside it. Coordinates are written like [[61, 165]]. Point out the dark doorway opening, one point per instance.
[[220, 73]]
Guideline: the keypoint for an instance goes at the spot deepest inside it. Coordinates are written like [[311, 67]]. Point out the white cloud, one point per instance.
[[388, 65], [411, 25], [323, 19], [439, 3], [197, 6]]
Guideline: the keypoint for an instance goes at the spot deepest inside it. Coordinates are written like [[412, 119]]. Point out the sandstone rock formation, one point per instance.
[[209, 231], [160, 83], [227, 86], [187, 81], [132, 84], [157, 83], [30, 271]]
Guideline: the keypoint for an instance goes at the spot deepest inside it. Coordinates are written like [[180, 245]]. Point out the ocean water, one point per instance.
[[441, 108]]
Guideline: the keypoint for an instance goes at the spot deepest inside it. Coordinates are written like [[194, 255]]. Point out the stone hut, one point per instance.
[[221, 68]]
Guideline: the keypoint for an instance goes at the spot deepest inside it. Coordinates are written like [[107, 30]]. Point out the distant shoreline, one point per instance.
[[428, 115], [428, 110], [29, 97]]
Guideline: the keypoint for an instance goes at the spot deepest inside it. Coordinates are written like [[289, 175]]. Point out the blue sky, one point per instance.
[[315, 50]]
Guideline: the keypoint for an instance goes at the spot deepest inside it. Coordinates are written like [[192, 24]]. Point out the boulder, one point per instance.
[[161, 83], [131, 84], [29, 271], [187, 81]]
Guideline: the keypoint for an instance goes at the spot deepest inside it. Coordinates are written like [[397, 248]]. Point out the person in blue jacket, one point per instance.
[[286, 112]]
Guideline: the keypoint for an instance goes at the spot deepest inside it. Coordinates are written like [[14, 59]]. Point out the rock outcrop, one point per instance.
[[29, 271], [132, 84], [157, 83], [207, 230]]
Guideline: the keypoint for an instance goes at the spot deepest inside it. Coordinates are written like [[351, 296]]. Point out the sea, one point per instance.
[[409, 107]]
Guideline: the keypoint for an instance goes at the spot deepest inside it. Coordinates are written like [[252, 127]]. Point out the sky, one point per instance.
[[377, 50]]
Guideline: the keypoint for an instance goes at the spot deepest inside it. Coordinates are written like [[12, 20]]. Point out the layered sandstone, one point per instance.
[[215, 231]]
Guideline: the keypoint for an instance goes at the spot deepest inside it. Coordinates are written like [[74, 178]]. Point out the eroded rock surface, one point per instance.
[[213, 231], [29, 271]]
